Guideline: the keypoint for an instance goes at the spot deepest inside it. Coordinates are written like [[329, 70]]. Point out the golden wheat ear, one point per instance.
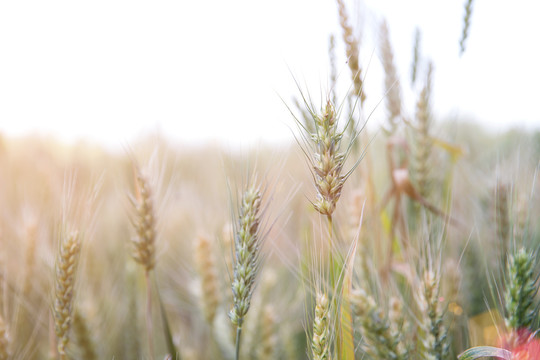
[[66, 269], [206, 266]]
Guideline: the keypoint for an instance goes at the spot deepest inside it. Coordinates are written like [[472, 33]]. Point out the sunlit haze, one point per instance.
[[110, 71]]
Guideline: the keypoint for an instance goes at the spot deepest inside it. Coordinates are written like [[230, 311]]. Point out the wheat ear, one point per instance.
[[352, 50], [144, 223], [423, 140], [466, 25], [83, 337], [416, 55], [391, 80], [247, 249], [320, 343], [382, 339], [66, 269], [328, 161], [144, 242], [521, 288], [433, 334], [207, 270]]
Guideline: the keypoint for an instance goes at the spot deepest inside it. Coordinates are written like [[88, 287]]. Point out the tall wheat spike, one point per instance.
[[466, 25], [352, 51], [248, 244], [423, 142], [66, 269], [391, 80]]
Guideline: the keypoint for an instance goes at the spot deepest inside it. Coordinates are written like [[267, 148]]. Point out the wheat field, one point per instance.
[[416, 239]]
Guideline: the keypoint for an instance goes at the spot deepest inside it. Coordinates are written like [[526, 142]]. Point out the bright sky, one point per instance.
[[111, 70]]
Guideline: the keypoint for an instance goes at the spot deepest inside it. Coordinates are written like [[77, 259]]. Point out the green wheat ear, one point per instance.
[[521, 288]]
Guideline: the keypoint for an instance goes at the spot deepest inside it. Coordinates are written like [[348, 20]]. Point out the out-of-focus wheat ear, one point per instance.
[[268, 334], [352, 51], [452, 281], [83, 337], [327, 161], [320, 342], [433, 337], [207, 269], [356, 211], [466, 25], [248, 244], [143, 222], [391, 80], [423, 143], [30, 256], [333, 68], [4, 340], [66, 270], [379, 339], [502, 218], [416, 55], [521, 310]]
